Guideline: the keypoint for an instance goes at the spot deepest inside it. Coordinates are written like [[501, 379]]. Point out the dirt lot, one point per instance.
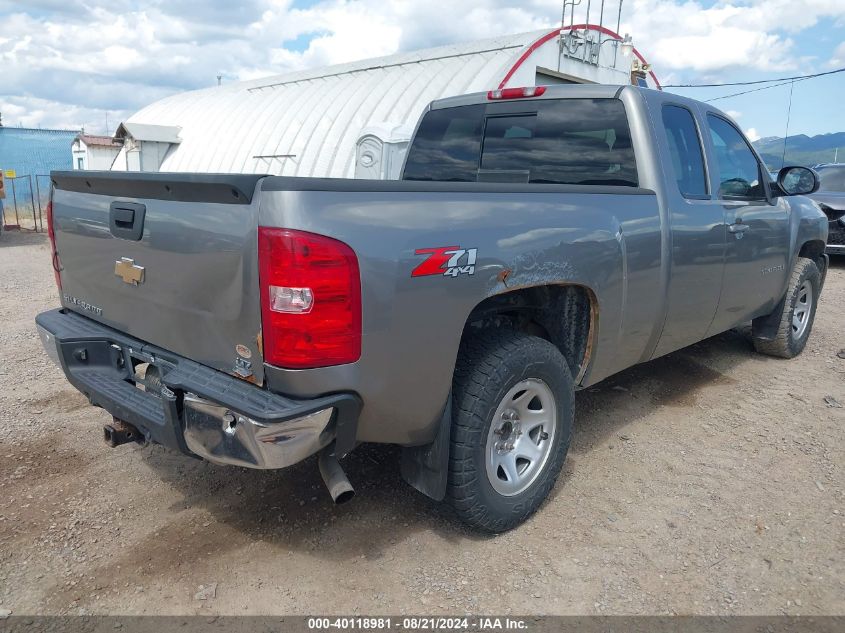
[[706, 482]]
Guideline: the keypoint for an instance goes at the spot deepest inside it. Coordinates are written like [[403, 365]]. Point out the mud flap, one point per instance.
[[824, 265], [766, 327], [426, 467]]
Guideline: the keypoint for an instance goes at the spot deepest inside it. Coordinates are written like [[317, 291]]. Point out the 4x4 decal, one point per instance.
[[449, 261]]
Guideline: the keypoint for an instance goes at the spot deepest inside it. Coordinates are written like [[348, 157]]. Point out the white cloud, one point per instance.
[[752, 134], [733, 114], [838, 59], [751, 34], [45, 113], [75, 60]]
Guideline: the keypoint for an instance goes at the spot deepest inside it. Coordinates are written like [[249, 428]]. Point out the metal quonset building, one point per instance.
[[310, 123]]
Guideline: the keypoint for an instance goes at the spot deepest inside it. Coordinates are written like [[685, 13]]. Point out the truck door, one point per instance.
[[757, 253], [697, 231]]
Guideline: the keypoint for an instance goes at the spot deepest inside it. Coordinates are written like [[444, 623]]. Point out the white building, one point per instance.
[[94, 152], [145, 145], [320, 122]]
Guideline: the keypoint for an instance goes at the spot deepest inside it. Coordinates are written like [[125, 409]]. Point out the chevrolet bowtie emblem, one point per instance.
[[126, 269]]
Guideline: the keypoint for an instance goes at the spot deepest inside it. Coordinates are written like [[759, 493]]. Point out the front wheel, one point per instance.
[[513, 399], [797, 315]]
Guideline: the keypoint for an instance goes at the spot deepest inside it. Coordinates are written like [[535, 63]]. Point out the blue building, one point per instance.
[[35, 152]]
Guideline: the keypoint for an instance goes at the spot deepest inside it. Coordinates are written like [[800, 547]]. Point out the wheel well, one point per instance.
[[812, 250], [565, 315], [815, 250]]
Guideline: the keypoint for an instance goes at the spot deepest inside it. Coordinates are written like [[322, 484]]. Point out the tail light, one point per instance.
[[516, 93], [54, 255], [310, 299]]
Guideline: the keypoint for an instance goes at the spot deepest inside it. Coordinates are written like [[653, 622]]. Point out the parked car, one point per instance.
[[831, 198], [541, 240]]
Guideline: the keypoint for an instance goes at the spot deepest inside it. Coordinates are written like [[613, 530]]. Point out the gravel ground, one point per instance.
[[706, 482]]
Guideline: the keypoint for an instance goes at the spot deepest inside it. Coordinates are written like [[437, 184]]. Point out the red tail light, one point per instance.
[[310, 299], [54, 256], [516, 93]]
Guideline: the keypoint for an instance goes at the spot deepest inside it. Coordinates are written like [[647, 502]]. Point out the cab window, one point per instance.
[[685, 151], [736, 165]]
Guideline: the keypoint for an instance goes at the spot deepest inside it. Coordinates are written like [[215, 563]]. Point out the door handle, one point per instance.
[[126, 220], [738, 228], [124, 216]]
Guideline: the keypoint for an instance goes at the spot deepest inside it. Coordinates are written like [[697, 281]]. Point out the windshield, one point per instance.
[[565, 141], [832, 178]]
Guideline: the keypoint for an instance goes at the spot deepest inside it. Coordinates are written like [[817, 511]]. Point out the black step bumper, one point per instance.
[[195, 409]]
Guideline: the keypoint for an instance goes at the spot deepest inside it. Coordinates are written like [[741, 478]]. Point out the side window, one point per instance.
[[738, 169], [685, 151]]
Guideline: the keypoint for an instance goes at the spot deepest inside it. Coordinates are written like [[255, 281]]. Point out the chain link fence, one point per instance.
[[26, 202]]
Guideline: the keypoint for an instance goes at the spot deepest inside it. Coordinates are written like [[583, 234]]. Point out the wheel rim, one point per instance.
[[521, 437], [803, 310]]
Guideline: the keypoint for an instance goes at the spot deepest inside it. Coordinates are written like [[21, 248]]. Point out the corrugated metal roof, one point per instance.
[[98, 141], [307, 123], [148, 132]]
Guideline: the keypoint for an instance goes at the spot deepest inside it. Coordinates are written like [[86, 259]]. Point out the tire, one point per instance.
[[493, 367], [796, 318]]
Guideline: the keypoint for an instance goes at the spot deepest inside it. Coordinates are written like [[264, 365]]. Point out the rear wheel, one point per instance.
[[797, 315], [513, 401]]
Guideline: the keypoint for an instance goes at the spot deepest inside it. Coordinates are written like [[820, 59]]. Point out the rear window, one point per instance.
[[568, 142]]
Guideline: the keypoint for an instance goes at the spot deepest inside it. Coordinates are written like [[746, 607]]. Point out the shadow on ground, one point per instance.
[[291, 510]]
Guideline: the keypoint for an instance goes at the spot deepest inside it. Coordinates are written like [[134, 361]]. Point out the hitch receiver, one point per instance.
[[120, 432]]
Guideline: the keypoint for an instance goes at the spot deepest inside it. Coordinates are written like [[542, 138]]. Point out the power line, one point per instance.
[[745, 92], [759, 81], [786, 134]]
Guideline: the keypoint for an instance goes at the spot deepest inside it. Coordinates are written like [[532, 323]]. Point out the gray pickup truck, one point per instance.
[[541, 240]]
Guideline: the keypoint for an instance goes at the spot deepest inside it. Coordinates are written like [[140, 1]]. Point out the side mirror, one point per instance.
[[798, 181]]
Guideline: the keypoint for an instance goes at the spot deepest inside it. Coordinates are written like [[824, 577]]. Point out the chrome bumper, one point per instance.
[[835, 249], [225, 437], [193, 408]]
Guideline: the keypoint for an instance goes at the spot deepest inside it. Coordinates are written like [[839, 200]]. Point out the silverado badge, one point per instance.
[[126, 269]]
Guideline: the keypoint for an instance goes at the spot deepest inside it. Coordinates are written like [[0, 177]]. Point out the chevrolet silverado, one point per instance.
[[540, 240]]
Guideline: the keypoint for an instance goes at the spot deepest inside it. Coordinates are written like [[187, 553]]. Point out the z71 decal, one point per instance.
[[448, 261]]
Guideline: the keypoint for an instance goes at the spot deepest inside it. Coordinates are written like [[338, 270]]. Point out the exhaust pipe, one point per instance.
[[333, 476], [120, 432]]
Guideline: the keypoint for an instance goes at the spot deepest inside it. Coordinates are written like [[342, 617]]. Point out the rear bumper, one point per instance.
[[194, 409]]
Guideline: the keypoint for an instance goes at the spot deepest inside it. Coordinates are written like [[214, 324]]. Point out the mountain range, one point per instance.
[[802, 149]]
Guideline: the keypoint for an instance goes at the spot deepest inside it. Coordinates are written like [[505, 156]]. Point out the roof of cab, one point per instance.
[[573, 91]]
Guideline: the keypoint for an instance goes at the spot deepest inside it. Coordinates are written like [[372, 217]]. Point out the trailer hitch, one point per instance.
[[120, 432]]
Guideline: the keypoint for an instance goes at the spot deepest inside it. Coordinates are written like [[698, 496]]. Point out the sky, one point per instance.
[[92, 63]]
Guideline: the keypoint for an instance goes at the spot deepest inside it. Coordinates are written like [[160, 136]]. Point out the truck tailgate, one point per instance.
[[169, 258]]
